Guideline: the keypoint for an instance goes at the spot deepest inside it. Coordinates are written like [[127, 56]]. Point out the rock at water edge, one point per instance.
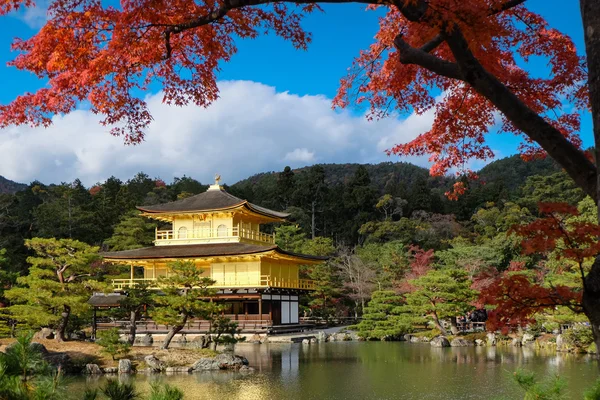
[[439, 341]]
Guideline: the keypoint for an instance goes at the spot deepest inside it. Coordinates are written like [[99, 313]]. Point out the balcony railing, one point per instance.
[[265, 281], [217, 234]]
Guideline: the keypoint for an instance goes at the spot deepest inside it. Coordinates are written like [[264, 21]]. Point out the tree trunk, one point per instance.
[[313, 229], [591, 300], [174, 331], [438, 325], [62, 325], [453, 326], [590, 15], [133, 317]]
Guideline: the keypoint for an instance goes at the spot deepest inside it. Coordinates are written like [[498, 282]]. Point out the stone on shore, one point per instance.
[[527, 338], [154, 364], [221, 361], [110, 370], [479, 342], [125, 366], [460, 342], [439, 341], [93, 369], [44, 333], [491, 339], [322, 337]]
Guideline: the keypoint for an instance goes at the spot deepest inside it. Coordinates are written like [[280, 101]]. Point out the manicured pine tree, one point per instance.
[[384, 318], [57, 286], [440, 294], [139, 298], [185, 295]]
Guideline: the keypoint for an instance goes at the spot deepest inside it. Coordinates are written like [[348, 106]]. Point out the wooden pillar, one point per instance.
[[94, 324], [260, 307], [132, 268]]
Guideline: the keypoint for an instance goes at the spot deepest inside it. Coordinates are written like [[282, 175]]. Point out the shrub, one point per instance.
[[165, 392], [579, 336], [24, 375], [116, 390], [112, 344], [427, 334], [474, 336], [550, 389], [593, 393], [90, 394]]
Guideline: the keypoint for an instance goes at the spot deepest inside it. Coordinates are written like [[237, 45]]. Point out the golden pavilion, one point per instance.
[[221, 234]]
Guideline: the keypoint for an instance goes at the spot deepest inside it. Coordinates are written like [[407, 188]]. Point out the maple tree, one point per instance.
[[472, 51], [564, 237]]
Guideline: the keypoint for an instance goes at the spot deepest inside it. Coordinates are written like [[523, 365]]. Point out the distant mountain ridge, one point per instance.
[[512, 171], [8, 186]]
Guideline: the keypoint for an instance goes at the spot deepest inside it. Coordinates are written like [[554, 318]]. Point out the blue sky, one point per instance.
[[281, 99]]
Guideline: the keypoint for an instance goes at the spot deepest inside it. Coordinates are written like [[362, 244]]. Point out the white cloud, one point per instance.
[[301, 155], [36, 16], [250, 129]]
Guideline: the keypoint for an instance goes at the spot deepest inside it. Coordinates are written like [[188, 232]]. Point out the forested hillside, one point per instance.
[[8, 186], [389, 231], [330, 200]]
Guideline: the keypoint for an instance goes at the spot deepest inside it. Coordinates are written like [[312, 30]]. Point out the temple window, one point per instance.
[[182, 233], [222, 230]]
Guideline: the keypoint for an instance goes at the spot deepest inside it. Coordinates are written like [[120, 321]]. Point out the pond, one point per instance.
[[373, 370]]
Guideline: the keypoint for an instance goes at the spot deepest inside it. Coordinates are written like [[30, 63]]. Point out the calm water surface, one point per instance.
[[373, 370]]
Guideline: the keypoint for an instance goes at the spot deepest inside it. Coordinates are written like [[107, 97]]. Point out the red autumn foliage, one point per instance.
[[94, 190], [421, 261], [518, 293], [109, 54], [159, 183]]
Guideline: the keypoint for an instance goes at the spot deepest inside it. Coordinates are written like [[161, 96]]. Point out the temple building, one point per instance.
[[220, 233]]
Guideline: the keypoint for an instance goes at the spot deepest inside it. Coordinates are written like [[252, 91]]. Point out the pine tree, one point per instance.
[[440, 294], [56, 286], [383, 317], [132, 232], [184, 296]]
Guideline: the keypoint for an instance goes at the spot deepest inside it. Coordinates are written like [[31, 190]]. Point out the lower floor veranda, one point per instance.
[[257, 311], [227, 273]]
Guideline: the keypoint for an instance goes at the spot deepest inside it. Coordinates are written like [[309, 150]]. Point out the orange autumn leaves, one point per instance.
[[503, 43], [518, 293], [108, 57]]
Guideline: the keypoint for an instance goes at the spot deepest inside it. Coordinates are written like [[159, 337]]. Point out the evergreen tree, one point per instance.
[[132, 232], [56, 286], [383, 318], [139, 299], [286, 185], [310, 194], [184, 296], [290, 238], [440, 294]]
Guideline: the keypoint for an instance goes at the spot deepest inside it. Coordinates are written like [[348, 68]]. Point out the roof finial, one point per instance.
[[216, 186]]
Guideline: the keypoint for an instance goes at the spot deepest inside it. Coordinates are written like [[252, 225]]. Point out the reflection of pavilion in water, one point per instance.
[[283, 358]]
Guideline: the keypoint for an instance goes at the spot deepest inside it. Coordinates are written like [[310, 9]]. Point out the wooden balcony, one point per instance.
[[219, 235], [265, 281]]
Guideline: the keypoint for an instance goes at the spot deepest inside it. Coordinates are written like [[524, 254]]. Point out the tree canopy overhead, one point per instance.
[[473, 51]]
